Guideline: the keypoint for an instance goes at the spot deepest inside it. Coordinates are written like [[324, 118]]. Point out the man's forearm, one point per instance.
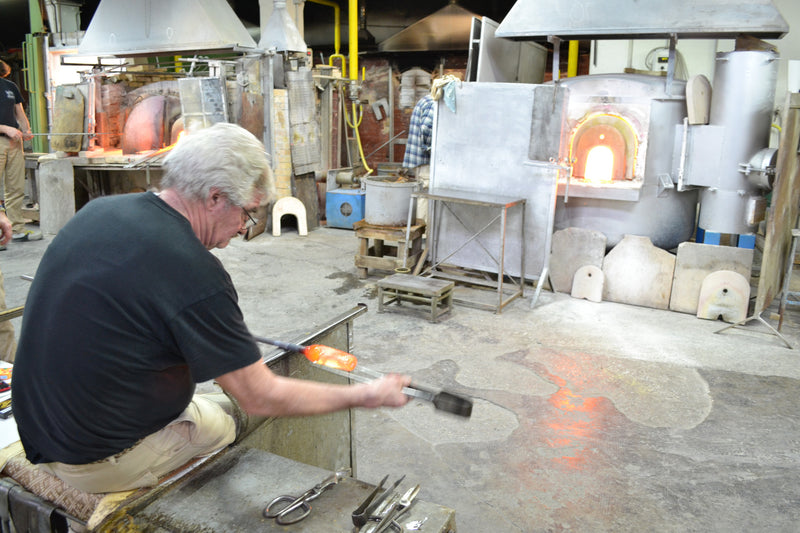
[[22, 119]]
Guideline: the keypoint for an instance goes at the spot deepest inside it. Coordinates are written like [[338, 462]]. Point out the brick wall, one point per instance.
[[377, 85]]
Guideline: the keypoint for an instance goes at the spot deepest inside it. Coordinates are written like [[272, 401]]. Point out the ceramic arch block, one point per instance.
[[289, 205], [724, 294], [588, 283]]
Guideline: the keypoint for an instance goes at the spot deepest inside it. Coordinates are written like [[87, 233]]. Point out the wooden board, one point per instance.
[[782, 216], [67, 118]]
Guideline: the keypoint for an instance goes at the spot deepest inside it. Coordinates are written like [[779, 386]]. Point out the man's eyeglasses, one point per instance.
[[249, 219]]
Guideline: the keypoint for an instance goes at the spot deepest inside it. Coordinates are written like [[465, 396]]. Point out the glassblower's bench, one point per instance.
[[229, 491]]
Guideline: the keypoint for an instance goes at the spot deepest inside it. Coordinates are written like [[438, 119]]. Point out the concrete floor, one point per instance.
[[588, 417]]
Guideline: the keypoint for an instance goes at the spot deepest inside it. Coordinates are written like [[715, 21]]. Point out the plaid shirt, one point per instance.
[[418, 145]]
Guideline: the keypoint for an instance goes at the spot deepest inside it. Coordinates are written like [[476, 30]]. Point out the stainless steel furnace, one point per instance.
[[621, 148]]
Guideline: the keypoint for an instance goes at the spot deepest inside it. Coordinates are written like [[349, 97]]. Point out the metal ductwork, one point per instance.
[[280, 31], [154, 27], [446, 29], [637, 19]]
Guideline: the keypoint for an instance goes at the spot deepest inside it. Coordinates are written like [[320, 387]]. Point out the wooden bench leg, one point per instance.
[[363, 251]]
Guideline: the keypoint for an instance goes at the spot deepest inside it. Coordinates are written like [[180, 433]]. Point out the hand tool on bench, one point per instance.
[[297, 507], [344, 364], [368, 507], [359, 516], [397, 508]]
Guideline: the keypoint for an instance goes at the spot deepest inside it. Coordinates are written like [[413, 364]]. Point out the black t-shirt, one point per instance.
[[9, 97], [127, 311]]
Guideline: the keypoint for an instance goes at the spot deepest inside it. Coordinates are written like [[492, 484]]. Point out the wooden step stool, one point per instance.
[[383, 256], [437, 293]]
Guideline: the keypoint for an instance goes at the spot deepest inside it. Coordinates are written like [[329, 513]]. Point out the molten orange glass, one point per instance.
[[330, 357]]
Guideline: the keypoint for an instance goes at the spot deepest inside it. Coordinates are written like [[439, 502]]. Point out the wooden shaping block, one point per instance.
[[698, 99]]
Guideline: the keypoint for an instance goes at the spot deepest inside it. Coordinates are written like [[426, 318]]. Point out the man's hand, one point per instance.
[[14, 134], [11, 133], [387, 391], [5, 228]]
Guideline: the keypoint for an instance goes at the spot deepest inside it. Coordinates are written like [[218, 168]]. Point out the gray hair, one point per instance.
[[224, 156]]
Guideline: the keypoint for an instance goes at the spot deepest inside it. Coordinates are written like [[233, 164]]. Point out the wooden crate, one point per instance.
[[386, 248]]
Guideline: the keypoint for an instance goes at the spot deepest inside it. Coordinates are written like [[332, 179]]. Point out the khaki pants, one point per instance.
[[8, 341], [12, 166], [203, 428]]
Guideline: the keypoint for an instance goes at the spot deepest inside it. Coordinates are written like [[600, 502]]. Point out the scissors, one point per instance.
[[297, 508]]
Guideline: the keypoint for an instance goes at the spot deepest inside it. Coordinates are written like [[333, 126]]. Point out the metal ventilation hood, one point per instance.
[[153, 27], [630, 19], [446, 29], [280, 31]]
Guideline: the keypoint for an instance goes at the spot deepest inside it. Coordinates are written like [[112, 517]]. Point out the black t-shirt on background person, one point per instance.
[[9, 97]]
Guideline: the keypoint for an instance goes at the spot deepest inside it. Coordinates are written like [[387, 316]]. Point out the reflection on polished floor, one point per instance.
[[588, 416]]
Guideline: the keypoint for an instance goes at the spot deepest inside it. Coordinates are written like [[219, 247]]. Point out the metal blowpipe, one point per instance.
[[344, 364]]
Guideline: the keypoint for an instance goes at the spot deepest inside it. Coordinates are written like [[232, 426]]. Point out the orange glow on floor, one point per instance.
[[577, 419]]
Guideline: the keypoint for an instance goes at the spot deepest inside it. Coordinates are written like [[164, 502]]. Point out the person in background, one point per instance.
[[8, 341], [14, 128], [128, 310], [418, 148], [420, 129]]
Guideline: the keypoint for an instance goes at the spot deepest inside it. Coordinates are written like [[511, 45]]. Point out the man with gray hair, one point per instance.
[[128, 311]]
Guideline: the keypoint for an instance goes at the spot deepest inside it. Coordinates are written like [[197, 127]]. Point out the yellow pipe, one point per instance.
[[352, 28], [337, 36], [356, 122], [338, 56], [572, 59], [358, 140], [337, 32]]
